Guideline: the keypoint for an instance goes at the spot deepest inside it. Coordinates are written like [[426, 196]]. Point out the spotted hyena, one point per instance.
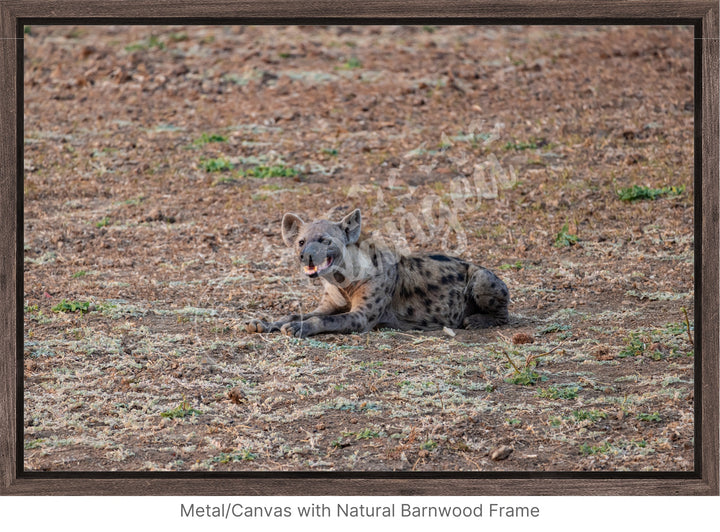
[[368, 285]]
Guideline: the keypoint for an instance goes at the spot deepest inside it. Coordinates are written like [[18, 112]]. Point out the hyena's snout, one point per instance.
[[315, 258]]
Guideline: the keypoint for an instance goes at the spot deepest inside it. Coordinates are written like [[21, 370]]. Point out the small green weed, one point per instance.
[[518, 265], [223, 180], [553, 328], [262, 172], [182, 410], [554, 392], [351, 63], [641, 192], [72, 306], [526, 375], [588, 415], [367, 434], [587, 449], [78, 274], [208, 138], [564, 238], [226, 458], [519, 146], [103, 223], [179, 37], [429, 445], [34, 444], [216, 165], [654, 417], [638, 346], [635, 347], [555, 421], [147, 44], [339, 443]]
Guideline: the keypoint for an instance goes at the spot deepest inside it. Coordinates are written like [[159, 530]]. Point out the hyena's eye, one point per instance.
[[301, 243]]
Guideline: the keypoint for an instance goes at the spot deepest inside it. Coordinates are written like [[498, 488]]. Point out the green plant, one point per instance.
[[262, 172], [553, 392], [641, 192], [34, 444], [428, 445], [72, 306], [366, 434], [518, 265], [353, 62], [208, 138], [649, 417], [588, 415], [243, 454], [526, 375], [519, 146], [223, 180], [104, 222], [216, 165], [147, 44], [635, 347], [587, 449], [553, 327], [564, 238], [80, 273], [182, 410]]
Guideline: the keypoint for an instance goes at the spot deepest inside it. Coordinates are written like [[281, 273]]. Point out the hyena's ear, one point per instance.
[[351, 226], [291, 224]]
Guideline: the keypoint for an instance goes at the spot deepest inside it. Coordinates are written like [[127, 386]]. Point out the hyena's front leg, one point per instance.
[[326, 308], [367, 306]]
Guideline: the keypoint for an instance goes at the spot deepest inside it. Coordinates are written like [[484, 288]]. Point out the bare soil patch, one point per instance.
[[159, 162]]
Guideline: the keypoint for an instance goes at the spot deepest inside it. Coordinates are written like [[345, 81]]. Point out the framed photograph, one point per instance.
[[288, 248]]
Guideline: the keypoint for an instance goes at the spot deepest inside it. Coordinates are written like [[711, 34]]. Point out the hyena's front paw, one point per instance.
[[258, 326], [298, 329]]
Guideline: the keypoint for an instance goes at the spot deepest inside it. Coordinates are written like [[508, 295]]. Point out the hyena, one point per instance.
[[369, 285]]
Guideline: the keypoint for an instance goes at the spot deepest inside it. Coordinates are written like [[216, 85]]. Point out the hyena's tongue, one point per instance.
[[311, 269]]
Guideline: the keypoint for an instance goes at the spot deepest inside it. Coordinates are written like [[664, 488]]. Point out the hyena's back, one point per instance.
[[434, 291]]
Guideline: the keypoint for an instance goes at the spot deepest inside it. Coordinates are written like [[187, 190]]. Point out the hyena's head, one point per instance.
[[321, 245]]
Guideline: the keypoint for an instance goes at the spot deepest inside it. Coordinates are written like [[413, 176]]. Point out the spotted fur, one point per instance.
[[368, 285]]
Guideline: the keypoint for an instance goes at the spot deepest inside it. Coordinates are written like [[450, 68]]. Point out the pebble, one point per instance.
[[501, 453]]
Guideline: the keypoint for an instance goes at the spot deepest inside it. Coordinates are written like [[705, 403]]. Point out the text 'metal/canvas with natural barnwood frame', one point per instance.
[[150, 150]]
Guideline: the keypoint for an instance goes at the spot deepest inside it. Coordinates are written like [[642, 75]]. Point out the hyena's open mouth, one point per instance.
[[312, 270]]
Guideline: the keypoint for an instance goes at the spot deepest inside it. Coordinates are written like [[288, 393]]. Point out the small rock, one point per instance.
[[602, 352], [501, 453], [448, 331], [522, 338], [236, 395]]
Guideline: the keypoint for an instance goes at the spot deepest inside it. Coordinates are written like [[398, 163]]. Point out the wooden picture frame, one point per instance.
[[702, 15]]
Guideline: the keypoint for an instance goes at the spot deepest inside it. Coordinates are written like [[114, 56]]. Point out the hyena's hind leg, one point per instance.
[[486, 300]]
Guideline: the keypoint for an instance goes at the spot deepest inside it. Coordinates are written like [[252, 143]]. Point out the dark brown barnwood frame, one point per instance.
[[701, 14]]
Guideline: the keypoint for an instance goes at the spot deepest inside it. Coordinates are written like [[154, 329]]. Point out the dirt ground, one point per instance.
[[159, 162]]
